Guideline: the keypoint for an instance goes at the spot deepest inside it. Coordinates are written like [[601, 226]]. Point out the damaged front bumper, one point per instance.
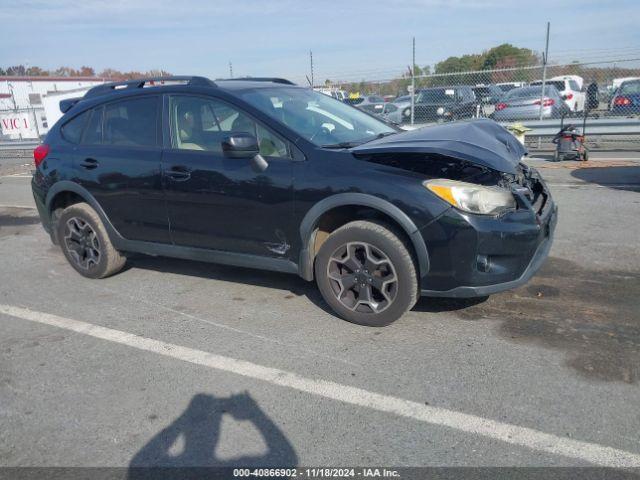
[[474, 255]]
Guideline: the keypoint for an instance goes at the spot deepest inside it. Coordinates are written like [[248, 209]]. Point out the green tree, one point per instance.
[[16, 71]]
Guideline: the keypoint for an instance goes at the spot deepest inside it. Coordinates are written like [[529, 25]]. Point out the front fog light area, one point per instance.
[[483, 263], [472, 198]]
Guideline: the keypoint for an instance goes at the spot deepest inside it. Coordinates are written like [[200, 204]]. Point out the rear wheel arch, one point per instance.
[[333, 212], [66, 193]]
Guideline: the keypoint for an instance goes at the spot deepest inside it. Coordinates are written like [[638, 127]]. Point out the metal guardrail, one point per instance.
[[19, 145], [548, 128], [539, 128], [594, 126]]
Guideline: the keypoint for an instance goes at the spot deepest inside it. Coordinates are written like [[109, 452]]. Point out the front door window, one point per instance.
[[201, 124]]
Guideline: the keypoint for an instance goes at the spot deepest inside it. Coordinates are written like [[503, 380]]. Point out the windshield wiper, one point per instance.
[[355, 144], [342, 145], [384, 134]]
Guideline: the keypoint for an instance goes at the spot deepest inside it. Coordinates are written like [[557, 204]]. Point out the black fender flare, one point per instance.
[[310, 221], [68, 186]]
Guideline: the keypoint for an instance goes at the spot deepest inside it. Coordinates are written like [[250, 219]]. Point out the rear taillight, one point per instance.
[[622, 101], [40, 153], [547, 102], [568, 96], [501, 106]]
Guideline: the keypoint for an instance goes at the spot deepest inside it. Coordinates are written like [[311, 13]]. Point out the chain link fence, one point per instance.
[[603, 98]]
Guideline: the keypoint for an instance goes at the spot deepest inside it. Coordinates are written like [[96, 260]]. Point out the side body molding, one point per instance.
[[310, 221]]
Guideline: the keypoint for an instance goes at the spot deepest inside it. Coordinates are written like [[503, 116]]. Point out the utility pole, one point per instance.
[[311, 60], [413, 81], [545, 59], [230, 70]]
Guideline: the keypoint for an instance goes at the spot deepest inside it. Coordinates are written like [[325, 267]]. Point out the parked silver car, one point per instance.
[[526, 104], [369, 103]]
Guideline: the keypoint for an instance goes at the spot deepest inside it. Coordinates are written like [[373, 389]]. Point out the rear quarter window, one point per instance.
[[72, 130]]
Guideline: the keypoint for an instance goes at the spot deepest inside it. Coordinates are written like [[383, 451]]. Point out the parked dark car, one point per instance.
[[488, 94], [626, 100], [264, 174], [438, 104]]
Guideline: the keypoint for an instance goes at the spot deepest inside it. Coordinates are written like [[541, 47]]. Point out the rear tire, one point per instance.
[[85, 243], [366, 274]]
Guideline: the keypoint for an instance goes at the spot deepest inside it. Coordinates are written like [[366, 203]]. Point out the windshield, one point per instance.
[[530, 92], [437, 95], [319, 118]]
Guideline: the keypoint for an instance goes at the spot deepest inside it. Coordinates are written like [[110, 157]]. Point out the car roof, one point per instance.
[[232, 84]]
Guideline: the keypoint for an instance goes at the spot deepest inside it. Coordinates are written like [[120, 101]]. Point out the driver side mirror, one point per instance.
[[240, 145], [244, 145]]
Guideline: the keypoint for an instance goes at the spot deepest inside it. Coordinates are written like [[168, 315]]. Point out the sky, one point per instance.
[[350, 40]]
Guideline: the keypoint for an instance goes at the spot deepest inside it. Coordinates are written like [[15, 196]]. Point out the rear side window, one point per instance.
[[72, 130], [131, 122], [93, 132]]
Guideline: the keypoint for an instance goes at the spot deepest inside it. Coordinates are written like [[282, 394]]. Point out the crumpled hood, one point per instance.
[[480, 141]]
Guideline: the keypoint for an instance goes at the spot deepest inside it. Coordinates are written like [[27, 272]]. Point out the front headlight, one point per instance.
[[440, 111], [472, 198]]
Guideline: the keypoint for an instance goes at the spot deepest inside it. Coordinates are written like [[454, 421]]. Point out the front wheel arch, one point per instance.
[[310, 222]]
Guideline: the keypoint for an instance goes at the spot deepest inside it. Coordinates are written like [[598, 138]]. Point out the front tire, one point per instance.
[[366, 274], [85, 243]]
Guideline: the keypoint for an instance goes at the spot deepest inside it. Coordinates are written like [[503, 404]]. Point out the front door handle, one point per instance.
[[89, 163], [179, 173]]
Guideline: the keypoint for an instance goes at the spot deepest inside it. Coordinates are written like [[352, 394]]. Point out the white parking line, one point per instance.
[[513, 434], [25, 207]]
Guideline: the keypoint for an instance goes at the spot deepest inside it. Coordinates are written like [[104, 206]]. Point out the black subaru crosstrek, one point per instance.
[[265, 174]]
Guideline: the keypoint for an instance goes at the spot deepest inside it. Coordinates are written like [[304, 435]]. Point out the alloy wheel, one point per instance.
[[82, 243], [362, 277]]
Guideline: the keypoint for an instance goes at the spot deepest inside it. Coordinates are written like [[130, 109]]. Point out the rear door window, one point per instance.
[[72, 130], [131, 122]]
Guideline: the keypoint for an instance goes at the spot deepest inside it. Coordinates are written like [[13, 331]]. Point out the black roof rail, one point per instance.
[[262, 79], [151, 81]]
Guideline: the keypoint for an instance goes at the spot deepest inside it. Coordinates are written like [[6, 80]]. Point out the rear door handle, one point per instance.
[[89, 163], [179, 173]]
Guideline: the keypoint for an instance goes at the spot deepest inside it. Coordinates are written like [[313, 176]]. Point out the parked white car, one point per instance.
[[333, 92], [579, 80], [570, 91]]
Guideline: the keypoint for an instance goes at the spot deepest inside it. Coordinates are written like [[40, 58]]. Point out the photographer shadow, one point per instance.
[[197, 433]]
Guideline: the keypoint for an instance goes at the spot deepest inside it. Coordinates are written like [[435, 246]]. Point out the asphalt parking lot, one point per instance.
[[184, 363]]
